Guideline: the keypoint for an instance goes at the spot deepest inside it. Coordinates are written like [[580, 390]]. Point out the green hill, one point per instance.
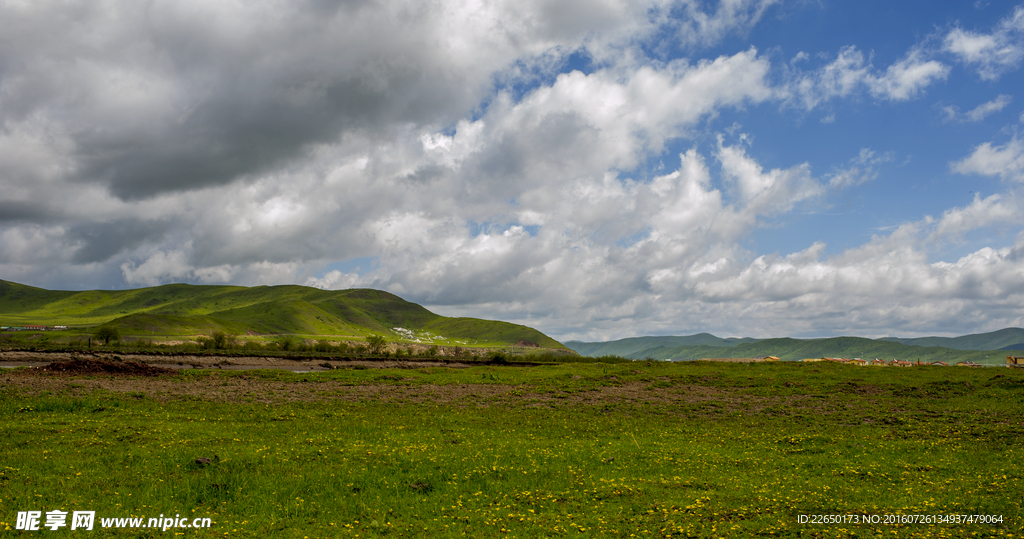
[[182, 310]]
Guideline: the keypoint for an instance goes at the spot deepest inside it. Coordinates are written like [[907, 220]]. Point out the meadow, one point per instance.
[[638, 449]]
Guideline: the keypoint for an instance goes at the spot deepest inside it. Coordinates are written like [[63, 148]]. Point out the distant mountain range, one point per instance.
[[1004, 339], [184, 310], [977, 347], [637, 346]]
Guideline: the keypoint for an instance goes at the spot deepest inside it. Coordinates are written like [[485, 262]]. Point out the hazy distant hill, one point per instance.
[[709, 346], [1004, 339], [181, 309], [636, 347]]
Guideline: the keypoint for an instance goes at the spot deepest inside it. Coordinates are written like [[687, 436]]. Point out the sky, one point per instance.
[[595, 169]]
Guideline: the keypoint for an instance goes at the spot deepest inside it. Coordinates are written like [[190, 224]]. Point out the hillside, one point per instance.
[[185, 310]]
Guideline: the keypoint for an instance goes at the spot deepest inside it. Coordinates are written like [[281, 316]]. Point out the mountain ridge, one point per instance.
[[703, 345]]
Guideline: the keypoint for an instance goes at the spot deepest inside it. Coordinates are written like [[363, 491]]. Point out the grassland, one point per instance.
[[643, 449], [177, 311]]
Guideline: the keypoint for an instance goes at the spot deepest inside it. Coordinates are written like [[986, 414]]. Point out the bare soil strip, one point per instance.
[[98, 366], [18, 358], [140, 380]]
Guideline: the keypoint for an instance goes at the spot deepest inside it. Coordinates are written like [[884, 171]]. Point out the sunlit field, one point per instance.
[[639, 449]]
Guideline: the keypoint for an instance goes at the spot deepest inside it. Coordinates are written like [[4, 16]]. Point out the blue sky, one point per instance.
[[597, 169]]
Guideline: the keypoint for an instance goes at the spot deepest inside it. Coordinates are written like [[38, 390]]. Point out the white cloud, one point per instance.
[[850, 72], [772, 192], [1006, 161], [981, 212], [861, 169], [264, 143], [731, 15], [992, 54], [839, 78], [334, 280], [159, 268], [907, 77], [991, 107], [980, 112]]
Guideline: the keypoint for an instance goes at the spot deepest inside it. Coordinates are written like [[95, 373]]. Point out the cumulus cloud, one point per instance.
[[266, 143], [160, 267], [907, 77], [176, 96], [774, 191], [851, 72], [992, 54], [981, 212], [1006, 161]]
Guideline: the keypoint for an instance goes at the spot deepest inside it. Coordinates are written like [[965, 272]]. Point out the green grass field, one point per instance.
[[575, 450]]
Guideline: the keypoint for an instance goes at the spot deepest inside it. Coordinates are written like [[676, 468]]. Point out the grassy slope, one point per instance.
[[180, 309], [16, 297], [467, 328]]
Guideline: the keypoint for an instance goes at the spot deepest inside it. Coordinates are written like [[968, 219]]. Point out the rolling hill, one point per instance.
[[184, 310]]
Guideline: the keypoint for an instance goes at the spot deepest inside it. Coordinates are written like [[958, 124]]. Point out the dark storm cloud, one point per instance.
[[99, 242], [243, 131], [221, 141], [16, 210], [175, 101]]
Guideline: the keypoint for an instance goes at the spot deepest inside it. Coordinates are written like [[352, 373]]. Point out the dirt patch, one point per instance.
[[858, 387], [389, 389], [13, 358], [95, 366]]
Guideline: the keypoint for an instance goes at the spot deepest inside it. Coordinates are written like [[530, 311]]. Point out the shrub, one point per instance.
[[222, 340], [107, 334], [377, 344]]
